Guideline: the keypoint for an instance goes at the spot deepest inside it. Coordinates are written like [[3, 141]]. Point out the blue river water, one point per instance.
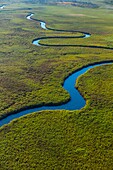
[[76, 102], [43, 26]]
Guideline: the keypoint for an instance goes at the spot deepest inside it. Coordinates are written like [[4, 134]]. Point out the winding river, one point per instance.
[[43, 26], [76, 101]]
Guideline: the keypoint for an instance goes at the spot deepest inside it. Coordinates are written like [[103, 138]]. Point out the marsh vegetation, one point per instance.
[[55, 139]]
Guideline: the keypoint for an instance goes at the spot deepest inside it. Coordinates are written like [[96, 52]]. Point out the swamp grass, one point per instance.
[[28, 71], [32, 75]]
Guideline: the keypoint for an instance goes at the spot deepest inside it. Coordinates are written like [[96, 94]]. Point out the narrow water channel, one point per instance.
[[76, 100]]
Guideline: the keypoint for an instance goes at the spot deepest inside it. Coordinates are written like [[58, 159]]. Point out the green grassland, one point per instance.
[[28, 71], [32, 75]]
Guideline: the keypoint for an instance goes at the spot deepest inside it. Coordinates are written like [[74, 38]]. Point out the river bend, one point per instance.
[[76, 101], [43, 26]]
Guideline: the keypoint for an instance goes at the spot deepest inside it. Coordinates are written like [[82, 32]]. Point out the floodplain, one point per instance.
[[32, 76]]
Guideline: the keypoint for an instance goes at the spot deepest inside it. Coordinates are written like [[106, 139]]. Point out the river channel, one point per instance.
[[76, 101]]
